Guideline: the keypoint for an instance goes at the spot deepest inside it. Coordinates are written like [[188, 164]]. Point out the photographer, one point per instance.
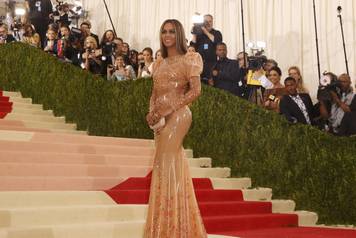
[[204, 40], [39, 12], [119, 71], [61, 15], [341, 116], [51, 43], [108, 38], [4, 36], [225, 73], [256, 79], [65, 49], [146, 63], [91, 55]]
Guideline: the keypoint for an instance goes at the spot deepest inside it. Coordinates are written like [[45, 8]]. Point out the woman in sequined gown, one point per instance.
[[173, 210]]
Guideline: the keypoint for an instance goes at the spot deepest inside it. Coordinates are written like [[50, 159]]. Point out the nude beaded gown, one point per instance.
[[173, 210]]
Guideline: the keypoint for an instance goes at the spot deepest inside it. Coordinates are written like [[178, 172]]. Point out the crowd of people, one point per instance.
[[254, 78]]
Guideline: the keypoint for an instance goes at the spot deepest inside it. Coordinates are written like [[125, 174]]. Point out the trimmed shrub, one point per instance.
[[299, 162]]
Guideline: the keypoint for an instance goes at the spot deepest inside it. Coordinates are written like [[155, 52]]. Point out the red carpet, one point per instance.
[[5, 105], [294, 232], [222, 210], [225, 213]]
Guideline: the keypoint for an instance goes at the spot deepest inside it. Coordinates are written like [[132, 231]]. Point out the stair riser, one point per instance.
[[67, 216]]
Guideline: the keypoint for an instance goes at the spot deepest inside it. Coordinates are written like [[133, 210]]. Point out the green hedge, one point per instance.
[[299, 162]]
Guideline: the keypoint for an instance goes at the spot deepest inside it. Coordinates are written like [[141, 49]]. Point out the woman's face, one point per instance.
[[64, 31], [191, 49], [119, 62], [147, 57], [159, 55], [29, 30], [90, 44], [294, 74], [133, 57], [51, 35], [125, 47], [168, 35], [109, 36], [274, 77]]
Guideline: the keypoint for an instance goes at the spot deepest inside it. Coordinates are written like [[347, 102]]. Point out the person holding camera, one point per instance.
[[296, 107], [31, 37], [145, 65], [342, 116], [120, 71], [225, 73], [4, 36], [68, 46], [61, 15], [204, 39], [39, 16], [108, 38], [91, 56], [51, 44]]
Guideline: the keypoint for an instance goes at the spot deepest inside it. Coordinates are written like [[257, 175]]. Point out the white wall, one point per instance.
[[286, 25]]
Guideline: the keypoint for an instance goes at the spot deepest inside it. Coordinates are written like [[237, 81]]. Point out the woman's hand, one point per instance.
[[153, 118]]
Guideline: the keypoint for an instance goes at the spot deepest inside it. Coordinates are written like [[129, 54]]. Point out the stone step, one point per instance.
[[25, 105], [73, 139], [202, 162], [12, 94], [36, 199], [306, 218], [61, 183], [32, 111], [29, 146], [231, 183], [66, 215], [72, 214], [94, 170], [80, 158], [21, 100], [131, 229], [283, 206], [257, 194], [48, 125], [31, 117]]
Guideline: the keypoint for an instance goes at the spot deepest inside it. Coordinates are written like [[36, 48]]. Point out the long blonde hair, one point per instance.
[[300, 84], [181, 45]]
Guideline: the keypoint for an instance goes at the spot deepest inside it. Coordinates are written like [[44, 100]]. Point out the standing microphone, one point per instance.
[[339, 9], [316, 40]]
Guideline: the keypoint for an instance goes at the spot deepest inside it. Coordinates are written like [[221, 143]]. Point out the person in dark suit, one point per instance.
[[296, 107], [225, 73], [204, 41]]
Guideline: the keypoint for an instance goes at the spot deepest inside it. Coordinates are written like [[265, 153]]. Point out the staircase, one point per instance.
[[56, 182]]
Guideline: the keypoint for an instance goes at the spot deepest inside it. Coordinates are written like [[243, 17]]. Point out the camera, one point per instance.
[[91, 50], [141, 64], [197, 28], [75, 35], [109, 49], [328, 83], [257, 62], [198, 23]]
